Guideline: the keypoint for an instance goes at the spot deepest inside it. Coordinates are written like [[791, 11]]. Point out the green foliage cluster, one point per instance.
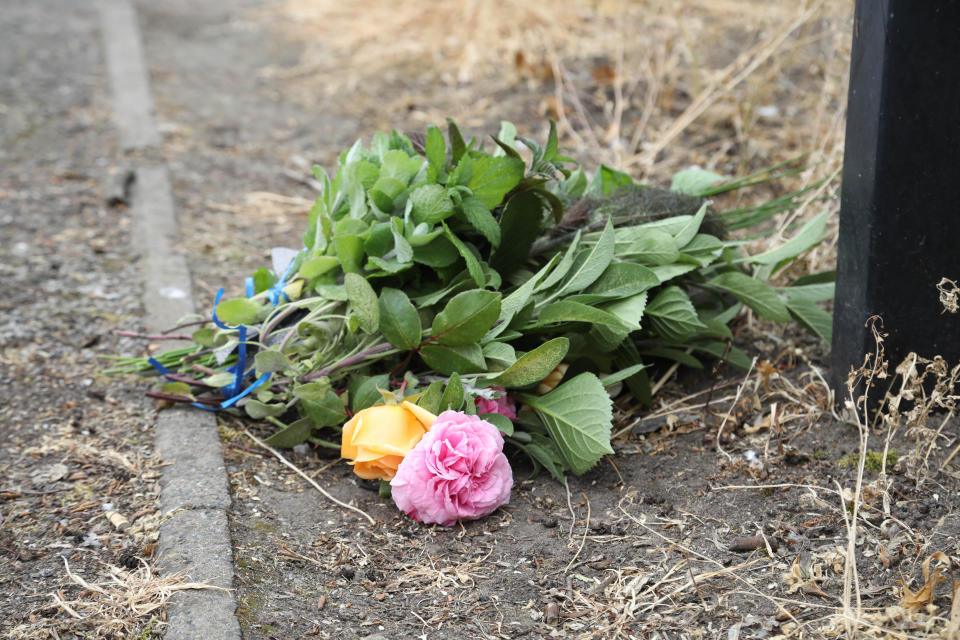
[[440, 270]]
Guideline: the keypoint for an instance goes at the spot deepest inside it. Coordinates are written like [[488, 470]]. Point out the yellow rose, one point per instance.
[[377, 438]]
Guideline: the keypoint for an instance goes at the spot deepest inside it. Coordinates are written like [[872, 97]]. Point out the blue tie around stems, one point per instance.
[[232, 391]]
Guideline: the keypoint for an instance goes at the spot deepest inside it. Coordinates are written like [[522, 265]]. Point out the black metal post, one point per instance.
[[900, 203]]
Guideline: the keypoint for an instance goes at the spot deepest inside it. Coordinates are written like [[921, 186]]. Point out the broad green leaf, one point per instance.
[[812, 317], [430, 400], [336, 292], [810, 292], [260, 410], [695, 182], [452, 397], [473, 265], [317, 266], [619, 280], [447, 360], [436, 150], [431, 204], [577, 415], [670, 271], [349, 249], [236, 311], [385, 192], [546, 455], [364, 302], [567, 311], [533, 366], [501, 422], [506, 138], [439, 253], [628, 310], [654, 247], [401, 247], [493, 177], [808, 236], [480, 218], [500, 353], [755, 294], [689, 230], [520, 222], [672, 315], [399, 320], [222, 379], [399, 165], [622, 375], [590, 264], [263, 279], [364, 391], [271, 361], [466, 318], [292, 435], [550, 151], [607, 180]]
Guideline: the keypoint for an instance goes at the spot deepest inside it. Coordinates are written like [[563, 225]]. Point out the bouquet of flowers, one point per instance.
[[450, 299]]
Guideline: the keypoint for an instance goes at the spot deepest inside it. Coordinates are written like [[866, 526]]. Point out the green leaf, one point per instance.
[[812, 317], [518, 299], [654, 247], [467, 317], [808, 236], [319, 403], [567, 311], [672, 315], [177, 389], [457, 146], [364, 391], [676, 355], [452, 397], [236, 311], [689, 230], [221, 379], [520, 222], [399, 320], [755, 294], [500, 421], [607, 180], [473, 265], [480, 218], [385, 191], [260, 410], [399, 165], [619, 280], [810, 292], [317, 266], [670, 271], [430, 400], [499, 353], [533, 366], [431, 204], [493, 177], [590, 264], [578, 416], [271, 361], [623, 374], [292, 435], [695, 182], [436, 150], [349, 250], [563, 268], [263, 279], [545, 453], [448, 360], [364, 302], [628, 310], [438, 253], [550, 151]]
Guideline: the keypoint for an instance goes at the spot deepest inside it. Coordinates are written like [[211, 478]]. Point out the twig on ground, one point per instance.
[[726, 416], [583, 541], [300, 473]]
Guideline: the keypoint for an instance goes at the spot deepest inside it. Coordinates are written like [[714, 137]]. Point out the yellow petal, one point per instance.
[[423, 416]]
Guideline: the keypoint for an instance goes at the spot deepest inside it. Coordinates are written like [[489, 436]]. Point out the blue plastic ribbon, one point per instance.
[[234, 392], [274, 293]]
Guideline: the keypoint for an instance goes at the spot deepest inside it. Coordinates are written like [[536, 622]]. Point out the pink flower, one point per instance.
[[456, 472], [504, 405]]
